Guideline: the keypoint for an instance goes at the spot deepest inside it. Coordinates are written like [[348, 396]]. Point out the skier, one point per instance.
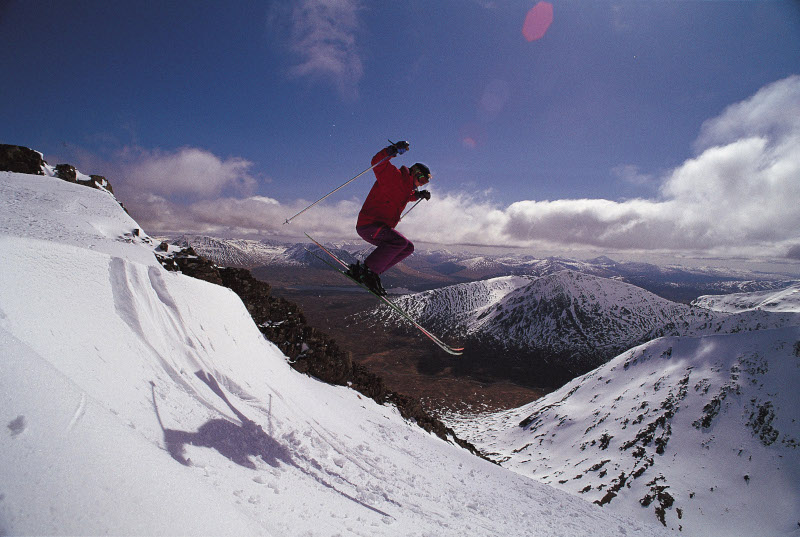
[[381, 212]]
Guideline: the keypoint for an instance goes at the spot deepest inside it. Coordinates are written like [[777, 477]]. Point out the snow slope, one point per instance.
[[136, 401], [783, 300], [699, 433]]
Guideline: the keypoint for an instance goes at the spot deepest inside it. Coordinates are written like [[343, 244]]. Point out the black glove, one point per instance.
[[423, 195], [398, 148]]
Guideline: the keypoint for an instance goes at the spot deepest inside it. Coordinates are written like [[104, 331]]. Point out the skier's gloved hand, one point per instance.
[[423, 195], [398, 148]]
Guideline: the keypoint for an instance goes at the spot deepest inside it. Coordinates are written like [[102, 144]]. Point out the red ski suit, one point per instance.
[[390, 194]]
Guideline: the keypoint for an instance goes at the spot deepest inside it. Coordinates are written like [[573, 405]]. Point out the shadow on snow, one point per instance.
[[240, 442]]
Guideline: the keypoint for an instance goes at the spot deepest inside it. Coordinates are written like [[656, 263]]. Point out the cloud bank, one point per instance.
[[737, 196], [188, 171]]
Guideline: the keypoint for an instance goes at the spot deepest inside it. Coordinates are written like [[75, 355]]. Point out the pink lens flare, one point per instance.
[[537, 21]]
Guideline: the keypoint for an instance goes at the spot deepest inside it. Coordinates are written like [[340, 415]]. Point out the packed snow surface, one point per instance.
[[136, 401]]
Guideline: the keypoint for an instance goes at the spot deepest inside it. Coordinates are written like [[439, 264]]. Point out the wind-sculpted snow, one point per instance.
[[137, 401], [701, 432]]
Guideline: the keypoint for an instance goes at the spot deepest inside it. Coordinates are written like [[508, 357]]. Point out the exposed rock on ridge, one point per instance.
[[19, 159]]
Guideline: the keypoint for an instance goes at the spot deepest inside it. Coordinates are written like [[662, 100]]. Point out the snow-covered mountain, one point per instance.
[[141, 401], [568, 319], [236, 252], [563, 311], [301, 254], [700, 433], [782, 300], [249, 253]]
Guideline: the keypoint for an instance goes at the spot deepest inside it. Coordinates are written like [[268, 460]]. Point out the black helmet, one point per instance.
[[421, 169]]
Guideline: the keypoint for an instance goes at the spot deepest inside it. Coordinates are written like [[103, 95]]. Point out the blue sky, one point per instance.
[[631, 127]]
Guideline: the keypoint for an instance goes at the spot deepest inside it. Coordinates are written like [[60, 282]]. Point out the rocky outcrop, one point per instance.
[[309, 350], [18, 159], [68, 173]]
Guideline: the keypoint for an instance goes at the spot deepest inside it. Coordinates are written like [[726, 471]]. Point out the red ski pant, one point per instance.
[[392, 247]]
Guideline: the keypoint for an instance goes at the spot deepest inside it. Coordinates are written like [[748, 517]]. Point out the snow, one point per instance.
[[709, 421], [136, 401], [783, 300]]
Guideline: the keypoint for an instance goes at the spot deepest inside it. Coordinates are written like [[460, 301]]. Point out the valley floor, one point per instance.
[[407, 362]]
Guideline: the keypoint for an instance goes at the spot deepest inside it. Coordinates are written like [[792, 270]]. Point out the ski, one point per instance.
[[456, 351]]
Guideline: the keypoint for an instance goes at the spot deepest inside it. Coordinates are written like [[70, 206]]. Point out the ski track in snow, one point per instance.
[[79, 412]]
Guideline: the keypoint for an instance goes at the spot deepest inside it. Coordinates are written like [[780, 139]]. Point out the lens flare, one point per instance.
[[537, 21]]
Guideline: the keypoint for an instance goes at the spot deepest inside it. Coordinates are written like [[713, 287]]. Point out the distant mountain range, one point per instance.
[[699, 431], [542, 321], [236, 252], [430, 269]]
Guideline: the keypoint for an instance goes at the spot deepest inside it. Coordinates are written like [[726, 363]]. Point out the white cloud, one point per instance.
[[738, 194], [250, 216], [455, 218], [773, 112], [264, 199], [324, 36], [187, 171]]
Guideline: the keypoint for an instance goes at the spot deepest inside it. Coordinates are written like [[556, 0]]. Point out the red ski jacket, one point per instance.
[[390, 194]]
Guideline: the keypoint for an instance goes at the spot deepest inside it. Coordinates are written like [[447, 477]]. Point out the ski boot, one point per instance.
[[356, 271], [373, 282]]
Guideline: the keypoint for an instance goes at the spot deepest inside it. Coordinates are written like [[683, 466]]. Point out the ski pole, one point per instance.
[[337, 189], [412, 208]]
